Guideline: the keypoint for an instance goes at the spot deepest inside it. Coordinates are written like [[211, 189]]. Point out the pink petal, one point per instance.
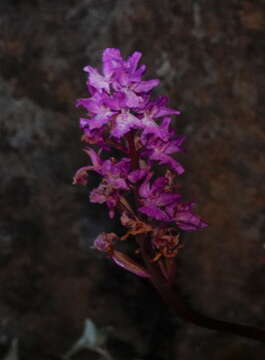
[[189, 221], [137, 175], [111, 60], [96, 80], [133, 61], [154, 212], [124, 123], [145, 86]]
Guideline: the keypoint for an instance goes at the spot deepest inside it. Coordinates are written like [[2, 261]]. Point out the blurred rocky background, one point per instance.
[[209, 55]]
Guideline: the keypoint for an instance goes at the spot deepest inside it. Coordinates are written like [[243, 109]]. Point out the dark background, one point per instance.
[[209, 57]]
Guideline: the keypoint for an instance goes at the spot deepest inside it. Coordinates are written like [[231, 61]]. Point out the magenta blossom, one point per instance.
[[155, 199], [122, 115], [159, 144], [161, 204], [130, 145], [120, 98]]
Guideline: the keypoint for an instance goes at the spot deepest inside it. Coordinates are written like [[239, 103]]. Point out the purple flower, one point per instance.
[[125, 122], [155, 109], [157, 149], [155, 199], [95, 137], [161, 204], [96, 80], [118, 92], [99, 112], [121, 114], [137, 175], [114, 179], [125, 77], [184, 218], [105, 193], [115, 173], [113, 63]]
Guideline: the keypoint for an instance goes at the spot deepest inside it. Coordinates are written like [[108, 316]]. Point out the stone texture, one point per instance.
[[209, 57]]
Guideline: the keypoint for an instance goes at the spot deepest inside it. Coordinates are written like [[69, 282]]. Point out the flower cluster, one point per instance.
[[122, 115]]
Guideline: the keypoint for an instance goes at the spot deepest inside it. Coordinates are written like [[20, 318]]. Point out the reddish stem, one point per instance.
[[175, 302], [116, 146], [132, 150]]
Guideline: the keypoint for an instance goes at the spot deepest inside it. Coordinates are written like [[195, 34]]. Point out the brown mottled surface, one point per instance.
[[209, 56]]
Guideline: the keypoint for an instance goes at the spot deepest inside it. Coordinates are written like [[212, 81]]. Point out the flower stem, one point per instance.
[[175, 302], [132, 150]]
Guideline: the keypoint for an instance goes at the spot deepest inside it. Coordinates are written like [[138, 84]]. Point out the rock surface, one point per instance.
[[210, 59]]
